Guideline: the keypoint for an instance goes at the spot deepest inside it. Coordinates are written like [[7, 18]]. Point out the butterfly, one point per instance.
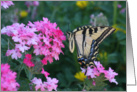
[[87, 40]]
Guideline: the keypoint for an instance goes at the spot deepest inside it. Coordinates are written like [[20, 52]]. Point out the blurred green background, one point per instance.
[[112, 51]]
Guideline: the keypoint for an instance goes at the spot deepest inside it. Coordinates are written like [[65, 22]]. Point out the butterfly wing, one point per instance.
[[84, 37]]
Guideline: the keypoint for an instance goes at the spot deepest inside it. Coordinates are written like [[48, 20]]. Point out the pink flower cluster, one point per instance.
[[32, 3], [96, 70], [50, 40], [24, 38], [6, 4], [27, 60], [8, 82], [45, 37], [50, 85]]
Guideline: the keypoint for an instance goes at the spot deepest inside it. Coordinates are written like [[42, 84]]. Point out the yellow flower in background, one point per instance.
[[82, 4], [80, 76], [118, 29], [102, 56], [23, 13]]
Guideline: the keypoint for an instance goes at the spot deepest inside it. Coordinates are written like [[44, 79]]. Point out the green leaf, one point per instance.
[[113, 58], [24, 84]]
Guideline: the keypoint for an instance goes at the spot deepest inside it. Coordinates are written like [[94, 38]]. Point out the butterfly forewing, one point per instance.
[[88, 38]]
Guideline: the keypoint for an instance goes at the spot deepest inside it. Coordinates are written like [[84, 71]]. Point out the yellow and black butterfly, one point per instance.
[[87, 40]]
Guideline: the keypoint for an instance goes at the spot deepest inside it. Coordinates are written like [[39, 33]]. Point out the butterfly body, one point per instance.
[[87, 40]]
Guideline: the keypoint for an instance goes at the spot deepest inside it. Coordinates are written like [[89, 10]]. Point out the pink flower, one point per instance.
[[14, 53], [28, 56], [90, 72], [44, 61], [94, 83], [94, 71], [39, 84], [35, 3], [51, 84], [50, 42], [22, 47], [28, 63], [45, 38], [27, 60], [110, 75], [45, 73], [6, 4], [47, 58], [123, 10], [8, 82], [99, 66], [119, 5]]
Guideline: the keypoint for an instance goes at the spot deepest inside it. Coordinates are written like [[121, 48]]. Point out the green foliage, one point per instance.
[[100, 84], [66, 13]]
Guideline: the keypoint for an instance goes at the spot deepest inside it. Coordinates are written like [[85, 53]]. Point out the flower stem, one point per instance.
[[30, 75], [115, 12]]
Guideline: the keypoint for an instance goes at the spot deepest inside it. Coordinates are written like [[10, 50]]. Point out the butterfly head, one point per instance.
[[69, 35]]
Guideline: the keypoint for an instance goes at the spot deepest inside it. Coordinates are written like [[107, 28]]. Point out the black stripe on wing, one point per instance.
[[105, 34]]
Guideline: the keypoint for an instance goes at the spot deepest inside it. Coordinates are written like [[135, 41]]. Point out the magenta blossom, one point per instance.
[[94, 83], [50, 40], [46, 74], [27, 60], [6, 4], [8, 79]]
